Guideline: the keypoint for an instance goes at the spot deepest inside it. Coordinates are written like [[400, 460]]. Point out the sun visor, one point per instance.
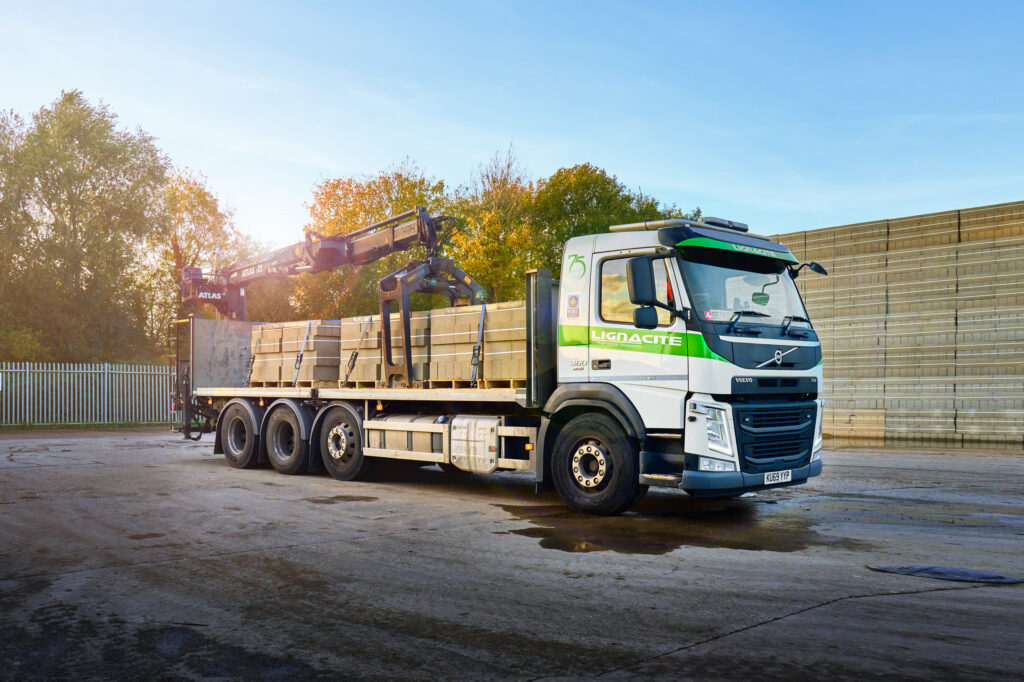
[[683, 237]]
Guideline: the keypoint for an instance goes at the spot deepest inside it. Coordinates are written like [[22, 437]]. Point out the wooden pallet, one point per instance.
[[503, 383]]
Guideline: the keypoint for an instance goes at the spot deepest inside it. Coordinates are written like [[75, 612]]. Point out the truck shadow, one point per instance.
[[663, 523]]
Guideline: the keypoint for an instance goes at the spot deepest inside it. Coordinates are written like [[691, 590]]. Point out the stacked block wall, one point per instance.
[[922, 327]]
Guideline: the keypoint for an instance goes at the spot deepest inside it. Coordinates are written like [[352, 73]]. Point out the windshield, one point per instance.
[[722, 283]]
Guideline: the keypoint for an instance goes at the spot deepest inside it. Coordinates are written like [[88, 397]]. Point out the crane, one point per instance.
[[319, 253]]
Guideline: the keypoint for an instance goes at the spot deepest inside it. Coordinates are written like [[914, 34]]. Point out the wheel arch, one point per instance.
[[571, 400], [314, 437], [302, 415], [256, 414]]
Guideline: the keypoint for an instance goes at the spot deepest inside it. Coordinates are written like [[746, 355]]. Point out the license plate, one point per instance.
[[771, 477]]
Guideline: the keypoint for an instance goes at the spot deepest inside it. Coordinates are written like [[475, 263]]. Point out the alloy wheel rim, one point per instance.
[[337, 442], [590, 465]]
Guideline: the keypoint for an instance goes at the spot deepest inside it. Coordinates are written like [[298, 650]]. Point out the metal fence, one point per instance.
[[55, 393]]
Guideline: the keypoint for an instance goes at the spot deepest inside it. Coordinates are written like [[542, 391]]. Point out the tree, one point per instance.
[[194, 230], [584, 199], [16, 342], [342, 205], [496, 242], [80, 198]]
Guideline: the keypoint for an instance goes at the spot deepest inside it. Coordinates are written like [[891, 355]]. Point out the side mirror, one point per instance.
[[645, 318], [640, 278], [815, 267]]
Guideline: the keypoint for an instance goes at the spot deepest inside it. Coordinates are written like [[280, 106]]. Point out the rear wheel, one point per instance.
[[285, 447], [238, 437], [594, 467], [341, 445]]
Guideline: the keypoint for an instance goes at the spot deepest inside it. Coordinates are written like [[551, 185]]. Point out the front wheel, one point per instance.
[[594, 466]]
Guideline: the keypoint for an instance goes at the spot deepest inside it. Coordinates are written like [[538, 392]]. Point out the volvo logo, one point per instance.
[[777, 357]]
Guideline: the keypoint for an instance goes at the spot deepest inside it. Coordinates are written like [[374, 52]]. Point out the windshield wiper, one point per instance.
[[739, 314], [788, 322]]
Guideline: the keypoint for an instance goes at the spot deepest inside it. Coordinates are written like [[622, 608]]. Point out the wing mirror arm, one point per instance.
[[815, 267]]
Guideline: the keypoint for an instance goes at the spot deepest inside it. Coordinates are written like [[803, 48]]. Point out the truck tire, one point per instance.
[[594, 466], [238, 438], [285, 447], [341, 446]]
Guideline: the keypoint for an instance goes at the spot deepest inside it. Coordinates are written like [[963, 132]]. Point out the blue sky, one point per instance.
[[785, 115]]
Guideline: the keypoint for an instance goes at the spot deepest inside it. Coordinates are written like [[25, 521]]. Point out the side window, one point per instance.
[[615, 305]]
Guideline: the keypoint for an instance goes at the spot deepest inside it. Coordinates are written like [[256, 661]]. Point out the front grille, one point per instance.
[[773, 436], [785, 448], [769, 418]]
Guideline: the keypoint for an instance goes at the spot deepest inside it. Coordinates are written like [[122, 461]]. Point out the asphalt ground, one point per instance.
[[135, 555]]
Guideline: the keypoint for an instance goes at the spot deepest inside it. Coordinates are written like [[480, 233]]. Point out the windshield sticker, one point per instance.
[[719, 315]]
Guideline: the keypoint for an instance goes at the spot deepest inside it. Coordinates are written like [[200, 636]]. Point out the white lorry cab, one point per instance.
[[695, 330], [671, 353]]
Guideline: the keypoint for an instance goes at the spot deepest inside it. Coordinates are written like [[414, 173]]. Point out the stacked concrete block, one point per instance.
[[360, 335], [923, 232], [442, 342], [505, 342], [998, 224], [265, 346], [300, 353], [454, 333], [926, 319], [419, 340]]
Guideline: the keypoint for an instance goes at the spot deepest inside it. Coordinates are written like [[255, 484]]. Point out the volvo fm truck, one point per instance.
[[671, 353]]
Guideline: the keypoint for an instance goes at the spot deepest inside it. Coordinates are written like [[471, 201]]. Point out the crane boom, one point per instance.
[[316, 253]]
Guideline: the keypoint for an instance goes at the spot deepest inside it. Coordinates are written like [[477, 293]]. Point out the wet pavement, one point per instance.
[[134, 554]]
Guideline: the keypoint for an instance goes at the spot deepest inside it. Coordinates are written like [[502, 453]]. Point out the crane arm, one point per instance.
[[316, 253]]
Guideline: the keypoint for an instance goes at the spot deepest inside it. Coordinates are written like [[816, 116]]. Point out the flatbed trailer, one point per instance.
[[673, 354]]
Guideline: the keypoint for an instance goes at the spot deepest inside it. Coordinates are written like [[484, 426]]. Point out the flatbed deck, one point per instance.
[[503, 395]]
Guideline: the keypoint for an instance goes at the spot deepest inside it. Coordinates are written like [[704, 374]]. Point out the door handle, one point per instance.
[[601, 364]]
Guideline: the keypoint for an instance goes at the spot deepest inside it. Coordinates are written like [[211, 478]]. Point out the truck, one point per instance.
[[671, 353]]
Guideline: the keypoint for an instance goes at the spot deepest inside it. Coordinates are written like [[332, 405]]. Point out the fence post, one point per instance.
[[106, 393]]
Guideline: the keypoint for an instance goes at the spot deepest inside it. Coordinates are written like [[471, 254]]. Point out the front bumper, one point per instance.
[[725, 483]]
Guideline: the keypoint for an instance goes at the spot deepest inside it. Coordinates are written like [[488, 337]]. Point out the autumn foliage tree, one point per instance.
[[80, 197], [343, 205], [497, 234], [96, 226]]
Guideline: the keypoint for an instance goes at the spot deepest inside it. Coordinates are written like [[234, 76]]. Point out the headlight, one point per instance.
[[710, 464], [716, 424], [718, 434]]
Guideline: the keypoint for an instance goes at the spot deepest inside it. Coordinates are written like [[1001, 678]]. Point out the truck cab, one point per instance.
[[697, 331]]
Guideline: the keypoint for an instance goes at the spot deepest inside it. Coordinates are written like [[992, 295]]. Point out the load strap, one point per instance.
[[476, 348], [302, 348], [252, 355], [355, 353]]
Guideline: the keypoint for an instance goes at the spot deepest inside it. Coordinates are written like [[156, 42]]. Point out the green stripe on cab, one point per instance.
[[708, 243], [638, 340]]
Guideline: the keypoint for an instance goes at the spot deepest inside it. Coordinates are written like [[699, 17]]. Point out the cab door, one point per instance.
[[649, 365], [575, 291]]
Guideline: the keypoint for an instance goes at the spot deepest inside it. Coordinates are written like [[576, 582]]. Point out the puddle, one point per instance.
[[145, 536], [334, 499], [954, 573], [662, 525]]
